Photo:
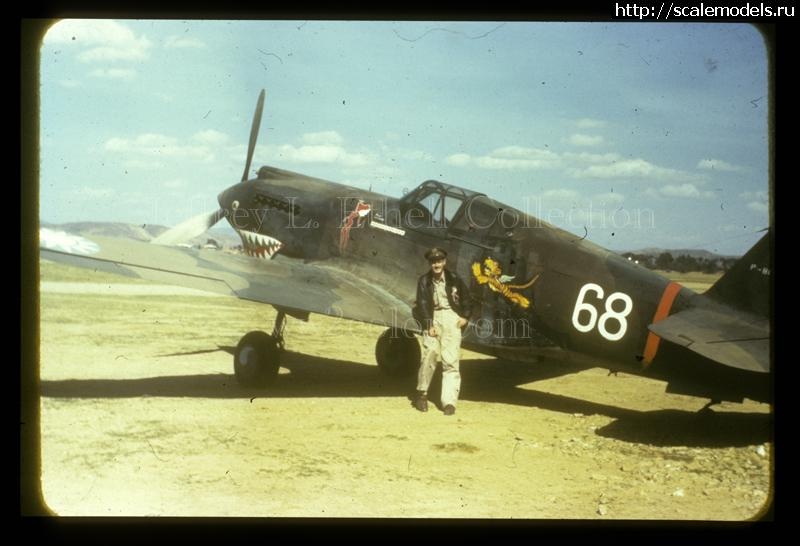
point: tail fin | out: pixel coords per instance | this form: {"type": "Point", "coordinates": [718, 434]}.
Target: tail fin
{"type": "Point", "coordinates": [746, 285]}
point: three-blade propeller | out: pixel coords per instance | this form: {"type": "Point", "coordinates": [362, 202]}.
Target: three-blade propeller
{"type": "Point", "coordinates": [188, 229]}
{"type": "Point", "coordinates": [254, 133]}
{"type": "Point", "coordinates": [197, 225]}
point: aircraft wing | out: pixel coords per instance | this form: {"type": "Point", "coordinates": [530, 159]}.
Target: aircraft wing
{"type": "Point", "coordinates": [282, 282]}
{"type": "Point", "coordinates": [732, 338]}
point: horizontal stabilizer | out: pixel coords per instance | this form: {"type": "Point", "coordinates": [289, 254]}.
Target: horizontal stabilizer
{"type": "Point", "coordinates": [732, 338]}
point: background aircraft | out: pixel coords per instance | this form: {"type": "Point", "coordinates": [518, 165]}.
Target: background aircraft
{"type": "Point", "coordinates": [315, 246]}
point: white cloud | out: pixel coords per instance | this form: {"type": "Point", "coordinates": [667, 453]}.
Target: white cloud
{"type": "Point", "coordinates": [320, 147]}
{"type": "Point", "coordinates": [589, 123]}
{"type": "Point", "coordinates": [112, 54]}
{"type": "Point", "coordinates": [758, 200]}
{"type": "Point", "coordinates": [69, 84]}
{"type": "Point", "coordinates": [144, 140]}
{"type": "Point", "coordinates": [322, 137]}
{"type": "Point", "coordinates": [142, 164]}
{"type": "Point", "coordinates": [175, 183]}
{"type": "Point", "coordinates": [93, 193]}
{"type": "Point", "coordinates": [382, 171]}
{"type": "Point", "coordinates": [522, 152]}
{"type": "Point", "coordinates": [612, 165]}
{"type": "Point", "coordinates": [633, 168]}
{"type": "Point", "coordinates": [183, 42]}
{"type": "Point", "coordinates": [685, 190]}
{"type": "Point", "coordinates": [560, 194]}
{"type": "Point", "coordinates": [329, 147]}
{"type": "Point", "coordinates": [322, 153]}
{"type": "Point", "coordinates": [238, 152]}
{"type": "Point", "coordinates": [579, 139]}
{"type": "Point", "coordinates": [102, 40]}
{"type": "Point", "coordinates": [621, 169]}
{"type": "Point", "coordinates": [586, 157]}
{"type": "Point", "coordinates": [610, 198]}
{"type": "Point", "coordinates": [211, 137]}
{"type": "Point", "coordinates": [417, 155]}
{"type": "Point", "coordinates": [458, 160]}
{"type": "Point", "coordinates": [508, 157]}
{"type": "Point", "coordinates": [578, 165]}
{"type": "Point", "coordinates": [576, 218]}
{"type": "Point", "coordinates": [114, 73]}
{"type": "Point", "coordinates": [651, 192]}
{"type": "Point", "coordinates": [405, 154]}
{"type": "Point", "coordinates": [718, 165]}
{"type": "Point", "coordinates": [151, 145]}
{"type": "Point", "coordinates": [754, 195]}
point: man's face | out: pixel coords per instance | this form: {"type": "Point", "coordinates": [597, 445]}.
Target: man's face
{"type": "Point", "coordinates": [438, 265]}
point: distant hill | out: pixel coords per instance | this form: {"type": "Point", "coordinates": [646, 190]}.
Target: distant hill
{"type": "Point", "coordinates": [140, 232]}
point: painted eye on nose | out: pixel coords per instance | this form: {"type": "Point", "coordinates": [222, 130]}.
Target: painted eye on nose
{"type": "Point", "coordinates": [235, 205]}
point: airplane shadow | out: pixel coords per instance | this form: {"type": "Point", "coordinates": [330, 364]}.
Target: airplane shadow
{"type": "Point", "coordinates": [663, 428]}
{"type": "Point", "coordinates": [488, 380]}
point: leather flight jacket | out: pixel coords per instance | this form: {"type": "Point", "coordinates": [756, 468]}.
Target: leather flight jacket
{"type": "Point", "coordinates": [457, 295]}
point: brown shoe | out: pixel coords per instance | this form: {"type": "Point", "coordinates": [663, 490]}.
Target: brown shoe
{"type": "Point", "coordinates": [421, 402]}
{"type": "Point", "coordinates": [449, 410]}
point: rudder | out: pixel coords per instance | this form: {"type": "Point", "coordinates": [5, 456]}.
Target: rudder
{"type": "Point", "coordinates": [746, 285]}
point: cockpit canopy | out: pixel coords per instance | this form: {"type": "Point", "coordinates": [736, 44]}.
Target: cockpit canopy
{"type": "Point", "coordinates": [437, 204]}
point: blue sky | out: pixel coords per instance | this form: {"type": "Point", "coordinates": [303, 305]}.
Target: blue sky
{"type": "Point", "coordinates": [647, 134]}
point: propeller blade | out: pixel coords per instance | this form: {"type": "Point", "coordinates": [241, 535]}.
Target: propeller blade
{"type": "Point", "coordinates": [194, 226]}
{"type": "Point", "coordinates": [254, 133]}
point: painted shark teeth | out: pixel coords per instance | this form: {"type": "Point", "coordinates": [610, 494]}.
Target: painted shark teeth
{"type": "Point", "coordinates": [259, 245]}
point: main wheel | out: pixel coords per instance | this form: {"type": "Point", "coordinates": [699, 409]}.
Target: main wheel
{"type": "Point", "coordinates": [397, 353]}
{"type": "Point", "coordinates": [257, 359]}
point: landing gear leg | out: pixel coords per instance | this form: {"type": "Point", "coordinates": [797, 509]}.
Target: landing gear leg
{"type": "Point", "coordinates": [257, 359]}
{"type": "Point", "coordinates": [277, 330]}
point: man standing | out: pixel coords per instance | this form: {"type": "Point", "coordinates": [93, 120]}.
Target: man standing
{"type": "Point", "coordinates": [443, 310]}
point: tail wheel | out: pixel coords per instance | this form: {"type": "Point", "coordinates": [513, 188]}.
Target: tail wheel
{"type": "Point", "coordinates": [257, 359]}
{"type": "Point", "coordinates": [397, 353]}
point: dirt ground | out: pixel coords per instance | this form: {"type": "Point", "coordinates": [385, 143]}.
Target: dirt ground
{"type": "Point", "coordinates": [141, 416]}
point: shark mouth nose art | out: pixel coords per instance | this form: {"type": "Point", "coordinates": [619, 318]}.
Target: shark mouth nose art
{"type": "Point", "coordinates": [258, 245]}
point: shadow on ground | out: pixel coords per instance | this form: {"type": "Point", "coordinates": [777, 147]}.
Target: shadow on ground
{"type": "Point", "coordinates": [682, 428]}
{"type": "Point", "coordinates": [486, 380]}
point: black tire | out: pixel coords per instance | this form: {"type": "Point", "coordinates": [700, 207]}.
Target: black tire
{"type": "Point", "coordinates": [397, 353]}
{"type": "Point", "coordinates": [257, 359]}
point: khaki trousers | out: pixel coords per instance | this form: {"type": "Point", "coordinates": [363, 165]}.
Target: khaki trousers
{"type": "Point", "coordinates": [447, 347]}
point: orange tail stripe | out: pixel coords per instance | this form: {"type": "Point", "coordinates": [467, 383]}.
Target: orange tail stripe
{"type": "Point", "coordinates": [664, 306]}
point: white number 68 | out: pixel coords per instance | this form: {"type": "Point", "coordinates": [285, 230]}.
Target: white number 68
{"type": "Point", "coordinates": [602, 320]}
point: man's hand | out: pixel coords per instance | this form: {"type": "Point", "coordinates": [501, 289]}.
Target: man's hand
{"type": "Point", "coordinates": [462, 322]}
{"type": "Point", "coordinates": [432, 331]}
